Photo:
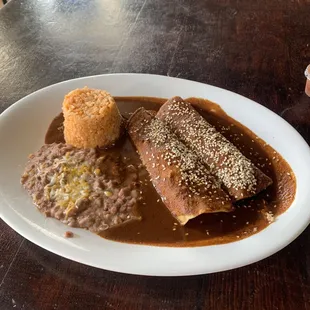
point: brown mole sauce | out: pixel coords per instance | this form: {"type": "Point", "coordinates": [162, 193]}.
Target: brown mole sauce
{"type": "Point", "coordinates": [158, 227]}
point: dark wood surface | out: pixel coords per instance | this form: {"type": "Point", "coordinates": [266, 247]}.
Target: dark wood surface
{"type": "Point", "coordinates": [257, 48]}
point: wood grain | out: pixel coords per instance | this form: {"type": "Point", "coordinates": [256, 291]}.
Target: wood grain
{"type": "Point", "coordinates": [257, 48]}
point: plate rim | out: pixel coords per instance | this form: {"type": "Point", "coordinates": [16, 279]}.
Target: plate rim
{"type": "Point", "coordinates": [233, 266]}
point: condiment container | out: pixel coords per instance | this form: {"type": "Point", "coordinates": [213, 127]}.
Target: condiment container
{"type": "Point", "coordinates": [307, 74]}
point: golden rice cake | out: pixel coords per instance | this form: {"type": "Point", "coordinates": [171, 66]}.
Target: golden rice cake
{"type": "Point", "coordinates": [91, 118]}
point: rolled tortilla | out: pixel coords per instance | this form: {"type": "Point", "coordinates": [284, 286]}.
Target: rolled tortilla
{"type": "Point", "coordinates": [185, 185]}
{"type": "Point", "coordinates": [240, 178]}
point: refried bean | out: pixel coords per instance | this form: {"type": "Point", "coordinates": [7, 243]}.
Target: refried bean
{"type": "Point", "coordinates": [82, 187]}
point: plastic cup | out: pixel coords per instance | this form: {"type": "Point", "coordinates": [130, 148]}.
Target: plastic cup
{"type": "Point", "coordinates": [307, 74]}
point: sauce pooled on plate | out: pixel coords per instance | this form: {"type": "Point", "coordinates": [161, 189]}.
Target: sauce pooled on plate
{"type": "Point", "coordinates": [158, 227]}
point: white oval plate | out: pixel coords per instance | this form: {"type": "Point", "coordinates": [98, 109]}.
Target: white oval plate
{"type": "Point", "coordinates": [22, 130]}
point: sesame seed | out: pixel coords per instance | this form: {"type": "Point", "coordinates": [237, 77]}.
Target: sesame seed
{"type": "Point", "coordinates": [270, 217]}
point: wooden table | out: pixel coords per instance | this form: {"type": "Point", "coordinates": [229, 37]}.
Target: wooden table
{"type": "Point", "coordinates": [257, 48]}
